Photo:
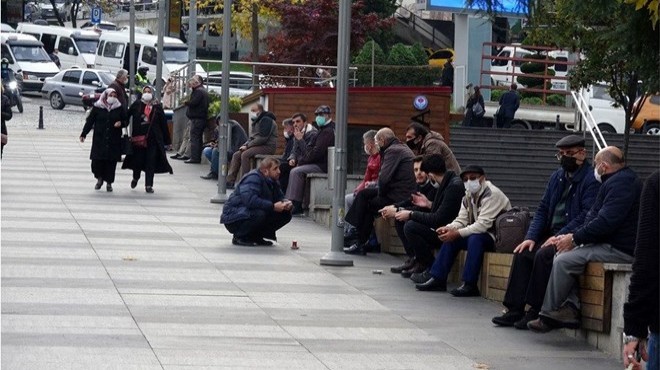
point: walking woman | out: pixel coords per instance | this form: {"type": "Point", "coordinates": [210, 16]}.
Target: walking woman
{"type": "Point", "coordinates": [106, 120]}
{"type": "Point", "coordinates": [474, 109]}
{"type": "Point", "coordinates": [150, 127]}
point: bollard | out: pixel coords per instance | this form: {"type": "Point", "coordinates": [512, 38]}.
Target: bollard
{"type": "Point", "coordinates": [557, 124]}
{"type": "Point", "coordinates": [41, 117]}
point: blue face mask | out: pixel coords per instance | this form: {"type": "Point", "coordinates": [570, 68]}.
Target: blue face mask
{"type": "Point", "coordinates": [320, 120]}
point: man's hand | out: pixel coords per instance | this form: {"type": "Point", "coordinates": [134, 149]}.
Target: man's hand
{"type": "Point", "coordinates": [629, 351]}
{"type": "Point", "coordinates": [403, 216]}
{"type": "Point", "coordinates": [526, 244]}
{"type": "Point", "coordinates": [118, 124]}
{"type": "Point", "coordinates": [242, 148]}
{"type": "Point", "coordinates": [292, 162]}
{"type": "Point", "coordinates": [298, 134]}
{"type": "Point", "coordinates": [82, 139]}
{"type": "Point", "coordinates": [280, 206]}
{"type": "Point", "coordinates": [446, 234]}
{"type": "Point", "coordinates": [387, 212]}
{"type": "Point", "coordinates": [420, 200]}
{"type": "Point", "coordinates": [564, 243]}
{"type": "Point", "coordinates": [550, 242]}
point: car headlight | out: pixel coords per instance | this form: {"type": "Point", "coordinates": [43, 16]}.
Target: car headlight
{"type": "Point", "coordinates": [13, 85]}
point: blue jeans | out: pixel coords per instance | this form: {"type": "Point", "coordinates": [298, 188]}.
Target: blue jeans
{"type": "Point", "coordinates": [654, 352]}
{"type": "Point", "coordinates": [476, 245]}
{"type": "Point", "coordinates": [213, 155]}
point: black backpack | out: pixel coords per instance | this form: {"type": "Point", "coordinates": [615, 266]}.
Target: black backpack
{"type": "Point", "coordinates": [511, 228]}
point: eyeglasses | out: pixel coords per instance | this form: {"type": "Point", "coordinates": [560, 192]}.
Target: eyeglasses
{"type": "Point", "coordinates": [569, 153]}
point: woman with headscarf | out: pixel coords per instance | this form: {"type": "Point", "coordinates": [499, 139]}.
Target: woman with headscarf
{"type": "Point", "coordinates": [105, 119]}
{"type": "Point", "coordinates": [148, 123]}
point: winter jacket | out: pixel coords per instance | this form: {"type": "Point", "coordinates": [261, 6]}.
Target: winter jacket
{"type": "Point", "coordinates": [157, 137]}
{"type": "Point", "coordinates": [238, 136]}
{"type": "Point", "coordinates": [446, 204]}
{"type": "Point", "coordinates": [264, 131]}
{"type": "Point", "coordinates": [581, 196]}
{"type": "Point", "coordinates": [302, 146]}
{"type": "Point", "coordinates": [434, 143]}
{"type": "Point", "coordinates": [510, 102]}
{"type": "Point", "coordinates": [198, 105]}
{"type": "Point", "coordinates": [106, 143]}
{"type": "Point", "coordinates": [317, 150]}
{"type": "Point", "coordinates": [371, 173]}
{"type": "Point", "coordinates": [254, 191]}
{"type": "Point", "coordinates": [613, 217]}
{"type": "Point", "coordinates": [490, 203]}
{"type": "Point", "coordinates": [396, 180]}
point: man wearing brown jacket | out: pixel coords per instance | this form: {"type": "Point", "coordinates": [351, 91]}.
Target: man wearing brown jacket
{"type": "Point", "coordinates": [423, 141]}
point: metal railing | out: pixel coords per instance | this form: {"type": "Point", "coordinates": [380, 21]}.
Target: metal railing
{"type": "Point", "coordinates": [421, 26]}
{"type": "Point", "coordinates": [582, 107]}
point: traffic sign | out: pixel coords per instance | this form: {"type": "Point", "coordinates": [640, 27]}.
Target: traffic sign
{"type": "Point", "coordinates": [97, 12]}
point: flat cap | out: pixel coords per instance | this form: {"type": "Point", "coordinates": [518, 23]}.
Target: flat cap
{"type": "Point", "coordinates": [472, 168]}
{"type": "Point", "coordinates": [322, 109]}
{"type": "Point", "coordinates": [570, 141]}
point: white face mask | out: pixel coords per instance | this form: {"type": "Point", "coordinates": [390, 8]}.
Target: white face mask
{"type": "Point", "coordinates": [473, 186]}
{"type": "Point", "coordinates": [146, 97]}
{"type": "Point", "coordinates": [287, 135]}
{"type": "Point", "coordinates": [111, 100]}
{"type": "Point", "coordinates": [597, 175]}
{"type": "Point", "coordinates": [434, 184]}
{"type": "Point", "coordinates": [253, 116]}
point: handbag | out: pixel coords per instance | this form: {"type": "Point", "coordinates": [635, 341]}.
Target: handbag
{"type": "Point", "coordinates": [478, 110]}
{"type": "Point", "coordinates": [140, 141]}
{"type": "Point", "coordinates": [126, 144]}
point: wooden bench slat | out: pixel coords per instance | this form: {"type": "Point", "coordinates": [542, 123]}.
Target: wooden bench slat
{"type": "Point", "coordinates": [592, 311]}
{"type": "Point", "coordinates": [591, 296]}
{"type": "Point", "coordinates": [592, 282]}
{"type": "Point", "coordinates": [593, 325]}
{"type": "Point", "coordinates": [497, 282]}
{"type": "Point", "coordinates": [594, 269]}
{"type": "Point", "coordinates": [499, 271]}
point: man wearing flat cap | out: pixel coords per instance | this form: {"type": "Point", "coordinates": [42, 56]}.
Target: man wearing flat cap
{"type": "Point", "coordinates": [568, 196]}
{"type": "Point", "coordinates": [472, 230]}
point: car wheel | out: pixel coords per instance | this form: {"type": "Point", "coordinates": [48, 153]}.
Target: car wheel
{"type": "Point", "coordinates": [519, 125]}
{"type": "Point", "coordinates": [652, 129]}
{"type": "Point", "coordinates": [606, 128]}
{"type": "Point", "coordinates": [56, 100]}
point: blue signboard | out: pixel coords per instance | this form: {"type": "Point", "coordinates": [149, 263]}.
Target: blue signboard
{"type": "Point", "coordinates": [96, 14]}
{"type": "Point", "coordinates": [509, 8]}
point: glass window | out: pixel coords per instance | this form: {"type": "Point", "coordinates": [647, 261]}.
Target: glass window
{"type": "Point", "coordinates": [99, 51]}
{"type": "Point", "coordinates": [113, 50]}
{"type": "Point", "coordinates": [66, 46]}
{"type": "Point", "coordinates": [175, 55]}
{"type": "Point", "coordinates": [561, 67]}
{"type": "Point", "coordinates": [87, 45]}
{"type": "Point", "coordinates": [30, 53]}
{"type": "Point", "coordinates": [71, 76]}
{"type": "Point", "coordinates": [601, 92]}
{"type": "Point", "coordinates": [149, 55]}
{"type": "Point", "coordinates": [6, 54]}
{"type": "Point", "coordinates": [49, 42]}
{"type": "Point", "coordinates": [89, 78]}
{"type": "Point", "coordinates": [106, 77]}
{"type": "Point", "coordinates": [500, 62]}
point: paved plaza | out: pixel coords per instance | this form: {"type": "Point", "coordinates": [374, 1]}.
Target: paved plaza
{"type": "Point", "coordinates": [130, 280]}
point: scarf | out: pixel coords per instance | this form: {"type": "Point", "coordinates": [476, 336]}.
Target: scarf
{"type": "Point", "coordinates": [103, 101]}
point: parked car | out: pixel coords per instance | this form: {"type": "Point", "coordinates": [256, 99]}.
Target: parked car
{"type": "Point", "coordinates": [66, 87]}
{"type": "Point", "coordinates": [63, 8]}
{"type": "Point", "coordinates": [240, 83]}
{"type": "Point", "coordinates": [142, 30]}
{"type": "Point", "coordinates": [647, 120]}
{"type": "Point", "coordinates": [103, 26]}
{"type": "Point", "coordinates": [4, 27]}
{"type": "Point", "coordinates": [440, 57]}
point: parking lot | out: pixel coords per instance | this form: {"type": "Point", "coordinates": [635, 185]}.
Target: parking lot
{"type": "Point", "coordinates": [70, 118]}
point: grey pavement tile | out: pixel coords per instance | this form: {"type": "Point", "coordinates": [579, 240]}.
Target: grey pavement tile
{"type": "Point", "coordinates": [151, 255]}
{"type": "Point", "coordinates": [51, 236]}
{"type": "Point", "coordinates": [172, 301]}
{"type": "Point", "coordinates": [48, 308]}
{"type": "Point", "coordinates": [522, 361]}
{"type": "Point", "coordinates": [60, 295]}
{"type": "Point", "coordinates": [340, 360]}
{"type": "Point", "coordinates": [316, 301]}
{"type": "Point", "coordinates": [69, 324]}
{"type": "Point", "coordinates": [294, 358]}
{"type": "Point", "coordinates": [360, 333]}
{"type": "Point", "coordinates": [55, 271]}
{"type": "Point", "coordinates": [224, 343]}
{"type": "Point", "coordinates": [47, 261]}
{"type": "Point", "coordinates": [205, 330]}
{"type": "Point", "coordinates": [240, 315]}
{"type": "Point", "coordinates": [103, 283]}
{"type": "Point", "coordinates": [64, 338]}
{"type": "Point", "coordinates": [60, 356]}
{"type": "Point", "coordinates": [35, 251]}
{"type": "Point", "coordinates": [166, 274]}
{"type": "Point", "coordinates": [283, 277]}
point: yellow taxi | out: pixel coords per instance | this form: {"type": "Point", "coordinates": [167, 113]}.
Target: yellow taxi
{"type": "Point", "coordinates": [647, 120]}
{"type": "Point", "coordinates": [439, 57]}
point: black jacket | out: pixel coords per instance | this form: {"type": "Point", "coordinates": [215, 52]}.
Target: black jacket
{"type": "Point", "coordinates": [317, 150]}
{"type": "Point", "coordinates": [106, 143]}
{"type": "Point", "coordinates": [264, 131]}
{"type": "Point", "coordinates": [613, 217]}
{"type": "Point", "coordinates": [446, 204]}
{"type": "Point", "coordinates": [510, 102]}
{"type": "Point", "coordinates": [158, 137]}
{"type": "Point", "coordinates": [198, 105]}
{"type": "Point", "coordinates": [396, 180]}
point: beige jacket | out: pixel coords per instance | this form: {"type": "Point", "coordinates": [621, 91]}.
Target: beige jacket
{"type": "Point", "coordinates": [490, 203]}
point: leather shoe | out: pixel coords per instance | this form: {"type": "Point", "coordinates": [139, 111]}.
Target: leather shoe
{"type": "Point", "coordinates": [133, 183]}
{"type": "Point", "coordinates": [98, 185]}
{"type": "Point", "coordinates": [355, 249]}
{"type": "Point", "coordinates": [192, 161]}
{"type": "Point", "coordinates": [530, 315]}
{"type": "Point", "coordinates": [509, 318]}
{"type": "Point", "coordinates": [565, 317]}
{"type": "Point", "coordinates": [183, 158]}
{"type": "Point", "coordinates": [404, 266]}
{"type": "Point", "coordinates": [263, 242]}
{"type": "Point", "coordinates": [433, 284]}
{"type": "Point", "coordinates": [176, 156]}
{"type": "Point", "coordinates": [108, 187]}
{"type": "Point", "coordinates": [243, 242]}
{"type": "Point", "coordinates": [210, 176]}
{"type": "Point", "coordinates": [421, 277]}
{"type": "Point", "coordinates": [539, 326]}
{"type": "Point", "coordinates": [149, 189]}
{"type": "Point", "coordinates": [415, 269]}
{"type": "Point", "coordinates": [466, 290]}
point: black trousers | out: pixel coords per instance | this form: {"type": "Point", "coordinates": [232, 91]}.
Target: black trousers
{"type": "Point", "coordinates": [363, 212]}
{"type": "Point", "coordinates": [145, 160]}
{"type": "Point", "coordinates": [197, 127]}
{"type": "Point", "coordinates": [285, 170]}
{"type": "Point", "coordinates": [421, 240]}
{"type": "Point", "coordinates": [529, 278]}
{"type": "Point", "coordinates": [104, 170]}
{"type": "Point", "coordinates": [261, 224]}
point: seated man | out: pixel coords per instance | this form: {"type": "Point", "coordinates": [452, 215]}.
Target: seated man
{"type": "Point", "coordinates": [256, 209]}
{"type": "Point", "coordinates": [416, 227]}
{"type": "Point", "coordinates": [238, 137]}
{"type": "Point", "coordinates": [315, 158]}
{"type": "Point", "coordinates": [396, 183]}
{"type": "Point", "coordinates": [422, 141]}
{"type": "Point", "coordinates": [370, 179]}
{"type": "Point", "coordinates": [568, 196]}
{"type": "Point", "coordinates": [607, 235]}
{"type": "Point", "coordinates": [473, 230]}
{"type": "Point", "coordinates": [302, 137]}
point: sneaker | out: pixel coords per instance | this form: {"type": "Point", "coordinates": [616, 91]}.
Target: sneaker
{"type": "Point", "coordinates": [539, 326]}
{"type": "Point", "coordinates": [530, 315]}
{"type": "Point", "coordinates": [421, 277]}
{"type": "Point", "coordinates": [565, 317]}
{"type": "Point", "coordinates": [509, 318]}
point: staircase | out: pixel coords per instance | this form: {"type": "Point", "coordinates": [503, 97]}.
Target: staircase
{"type": "Point", "coordinates": [413, 29]}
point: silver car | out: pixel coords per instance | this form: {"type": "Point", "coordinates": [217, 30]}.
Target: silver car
{"type": "Point", "coordinates": [68, 86]}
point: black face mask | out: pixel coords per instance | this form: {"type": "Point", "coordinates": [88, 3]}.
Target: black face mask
{"type": "Point", "coordinates": [569, 164]}
{"type": "Point", "coordinates": [411, 144]}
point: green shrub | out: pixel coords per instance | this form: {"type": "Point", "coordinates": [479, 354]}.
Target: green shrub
{"type": "Point", "coordinates": [364, 55]}
{"type": "Point", "coordinates": [421, 58]}
{"type": "Point", "coordinates": [401, 55]}
{"type": "Point", "coordinates": [532, 101]}
{"type": "Point", "coordinates": [556, 100]}
{"type": "Point", "coordinates": [496, 94]}
{"type": "Point", "coordinates": [215, 104]}
{"type": "Point", "coordinates": [398, 75]}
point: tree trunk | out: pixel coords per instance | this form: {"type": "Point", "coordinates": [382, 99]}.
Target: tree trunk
{"type": "Point", "coordinates": [57, 13]}
{"type": "Point", "coordinates": [255, 45]}
{"type": "Point", "coordinates": [631, 93]}
{"type": "Point", "coordinates": [75, 7]}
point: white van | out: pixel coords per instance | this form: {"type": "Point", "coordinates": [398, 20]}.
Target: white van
{"type": "Point", "coordinates": [509, 66]}
{"type": "Point", "coordinates": [113, 53]}
{"type": "Point", "coordinates": [607, 117]}
{"type": "Point", "coordinates": [26, 55]}
{"type": "Point", "coordinates": [76, 48]}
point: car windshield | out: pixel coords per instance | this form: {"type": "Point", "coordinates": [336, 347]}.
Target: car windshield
{"type": "Point", "coordinates": [106, 77]}
{"type": "Point", "coordinates": [175, 55]}
{"type": "Point", "coordinates": [87, 45]}
{"type": "Point", "coordinates": [24, 53]}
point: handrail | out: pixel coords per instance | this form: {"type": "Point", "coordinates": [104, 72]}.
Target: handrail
{"type": "Point", "coordinates": [583, 107]}
{"type": "Point", "coordinates": [422, 26]}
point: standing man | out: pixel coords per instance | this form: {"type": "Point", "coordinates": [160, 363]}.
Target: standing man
{"type": "Point", "coordinates": [197, 113]}
{"type": "Point", "coordinates": [568, 196]}
{"type": "Point", "coordinates": [448, 74]}
{"type": "Point", "coordinates": [640, 313]}
{"type": "Point", "coordinates": [607, 235]}
{"type": "Point", "coordinates": [119, 85]}
{"type": "Point", "coordinates": [256, 209]}
{"type": "Point", "coordinates": [509, 103]}
{"type": "Point", "coordinates": [315, 158]}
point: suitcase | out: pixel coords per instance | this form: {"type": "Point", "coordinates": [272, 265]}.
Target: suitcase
{"type": "Point", "coordinates": [511, 228]}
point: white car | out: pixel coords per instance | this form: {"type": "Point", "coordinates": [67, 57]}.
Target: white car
{"type": "Point", "coordinates": [240, 83]}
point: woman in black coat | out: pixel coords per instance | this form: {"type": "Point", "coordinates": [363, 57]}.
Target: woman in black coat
{"type": "Point", "coordinates": [148, 118]}
{"type": "Point", "coordinates": [471, 118]}
{"type": "Point", "coordinates": [106, 120]}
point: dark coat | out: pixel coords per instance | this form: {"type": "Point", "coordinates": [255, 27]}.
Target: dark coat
{"type": "Point", "coordinates": [613, 217]}
{"type": "Point", "coordinates": [254, 191]}
{"type": "Point", "coordinates": [106, 143]}
{"type": "Point", "coordinates": [446, 204]}
{"type": "Point", "coordinates": [396, 180]}
{"type": "Point", "coordinates": [317, 149]}
{"type": "Point", "coordinates": [238, 136]}
{"type": "Point", "coordinates": [510, 102]}
{"type": "Point", "coordinates": [581, 196]}
{"type": "Point", "coordinates": [264, 131]}
{"type": "Point", "coordinates": [198, 105]}
{"type": "Point", "coordinates": [157, 137]}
